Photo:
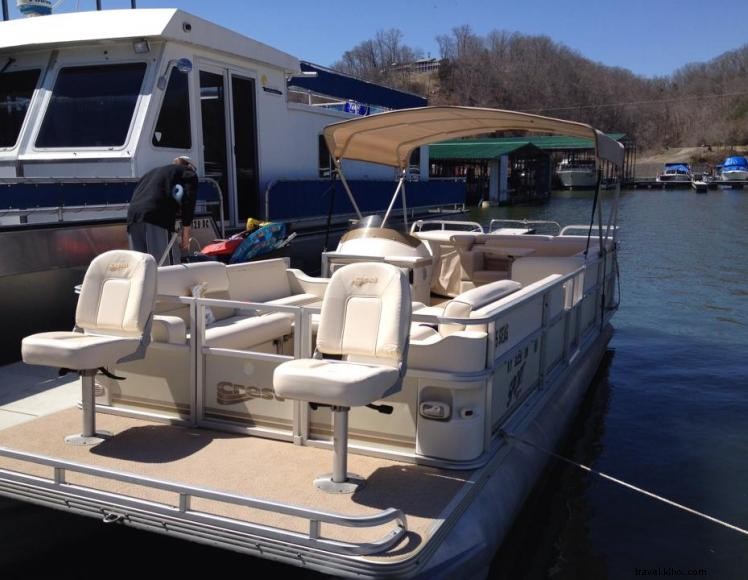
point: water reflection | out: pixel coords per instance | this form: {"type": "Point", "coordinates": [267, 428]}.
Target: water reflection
{"type": "Point", "coordinates": [671, 407]}
{"type": "Point", "coordinates": [550, 537]}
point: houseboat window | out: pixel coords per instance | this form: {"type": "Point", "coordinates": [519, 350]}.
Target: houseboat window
{"type": "Point", "coordinates": [92, 106]}
{"type": "Point", "coordinates": [16, 89]}
{"type": "Point", "coordinates": [173, 127]}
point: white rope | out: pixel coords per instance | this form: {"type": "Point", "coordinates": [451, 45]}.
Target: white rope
{"type": "Point", "coordinates": [628, 485]}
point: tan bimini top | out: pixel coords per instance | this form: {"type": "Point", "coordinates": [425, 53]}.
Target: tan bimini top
{"type": "Point", "coordinates": [389, 138]}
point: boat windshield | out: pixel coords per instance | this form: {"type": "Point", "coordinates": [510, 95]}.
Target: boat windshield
{"type": "Point", "coordinates": [92, 106]}
{"type": "Point", "coordinates": [16, 89]}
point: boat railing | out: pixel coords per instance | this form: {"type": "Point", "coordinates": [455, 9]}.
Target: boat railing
{"type": "Point", "coordinates": [467, 226]}
{"type": "Point", "coordinates": [31, 206]}
{"type": "Point", "coordinates": [584, 228]}
{"type": "Point", "coordinates": [494, 224]}
{"type": "Point", "coordinates": [119, 506]}
{"type": "Point", "coordinates": [575, 297]}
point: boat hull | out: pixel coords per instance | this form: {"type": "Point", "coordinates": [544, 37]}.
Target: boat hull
{"type": "Point", "coordinates": [736, 175]}
{"type": "Point", "coordinates": [680, 178]}
{"type": "Point", "coordinates": [470, 545]}
{"type": "Point", "coordinates": [578, 179]}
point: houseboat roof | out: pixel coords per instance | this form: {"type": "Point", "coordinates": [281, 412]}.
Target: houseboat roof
{"type": "Point", "coordinates": [389, 138]}
{"type": "Point", "coordinates": [111, 25]}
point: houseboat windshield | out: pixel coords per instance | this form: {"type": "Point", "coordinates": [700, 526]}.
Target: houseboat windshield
{"type": "Point", "coordinates": [92, 106]}
{"type": "Point", "coordinates": [16, 89]}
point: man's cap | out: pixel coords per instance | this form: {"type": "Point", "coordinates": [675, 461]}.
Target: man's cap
{"type": "Point", "coordinates": [185, 159]}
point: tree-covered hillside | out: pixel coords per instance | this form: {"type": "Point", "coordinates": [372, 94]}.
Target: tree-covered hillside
{"type": "Point", "coordinates": [701, 103]}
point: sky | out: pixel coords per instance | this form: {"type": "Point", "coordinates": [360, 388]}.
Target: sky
{"type": "Point", "coordinates": [648, 37]}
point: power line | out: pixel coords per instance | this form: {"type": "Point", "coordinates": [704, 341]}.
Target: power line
{"type": "Point", "coordinates": [634, 103]}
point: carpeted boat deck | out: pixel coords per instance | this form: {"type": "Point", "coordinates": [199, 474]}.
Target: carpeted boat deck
{"type": "Point", "coordinates": [249, 466]}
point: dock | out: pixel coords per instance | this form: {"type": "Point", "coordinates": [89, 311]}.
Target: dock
{"type": "Point", "coordinates": [652, 183]}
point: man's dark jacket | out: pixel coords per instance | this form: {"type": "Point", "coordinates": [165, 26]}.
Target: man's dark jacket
{"type": "Point", "coordinates": [154, 201]}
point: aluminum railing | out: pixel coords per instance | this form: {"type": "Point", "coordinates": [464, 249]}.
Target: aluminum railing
{"type": "Point", "coordinates": [115, 506]}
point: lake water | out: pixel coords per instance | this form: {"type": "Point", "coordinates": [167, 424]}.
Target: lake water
{"type": "Point", "coordinates": [668, 412]}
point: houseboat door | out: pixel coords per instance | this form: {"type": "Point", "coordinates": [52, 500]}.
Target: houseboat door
{"type": "Point", "coordinates": [229, 136]}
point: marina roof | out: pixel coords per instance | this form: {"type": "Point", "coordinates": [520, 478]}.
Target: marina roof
{"type": "Point", "coordinates": [389, 138]}
{"type": "Point", "coordinates": [109, 25]}
{"type": "Point", "coordinates": [478, 150]}
{"type": "Point", "coordinates": [449, 149]}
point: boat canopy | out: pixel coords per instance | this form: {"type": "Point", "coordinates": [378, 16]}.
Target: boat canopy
{"type": "Point", "coordinates": [738, 161]}
{"type": "Point", "coordinates": [677, 168]}
{"type": "Point", "coordinates": [390, 138]}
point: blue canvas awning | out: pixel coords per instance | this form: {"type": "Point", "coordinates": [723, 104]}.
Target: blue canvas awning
{"type": "Point", "coordinates": [334, 84]}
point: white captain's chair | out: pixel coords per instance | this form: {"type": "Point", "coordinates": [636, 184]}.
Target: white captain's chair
{"type": "Point", "coordinates": [112, 325]}
{"type": "Point", "coordinates": [364, 326]}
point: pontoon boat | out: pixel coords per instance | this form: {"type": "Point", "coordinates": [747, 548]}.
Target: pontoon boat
{"type": "Point", "coordinates": [424, 370]}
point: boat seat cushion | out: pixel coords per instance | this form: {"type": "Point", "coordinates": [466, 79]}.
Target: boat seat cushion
{"type": "Point", "coordinates": [533, 268]}
{"type": "Point", "coordinates": [75, 350]}
{"type": "Point", "coordinates": [332, 382]}
{"type": "Point", "coordinates": [462, 351]}
{"type": "Point", "coordinates": [463, 305]}
{"type": "Point", "coordinates": [259, 281]}
{"type": "Point", "coordinates": [239, 332]}
{"type": "Point", "coordinates": [182, 279]}
{"type": "Point", "coordinates": [169, 329]}
{"type": "Point", "coordinates": [297, 300]}
{"type": "Point", "coordinates": [117, 294]}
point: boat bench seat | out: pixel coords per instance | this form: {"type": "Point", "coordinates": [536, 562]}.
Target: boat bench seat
{"type": "Point", "coordinates": [453, 347]}
{"type": "Point", "coordinates": [230, 328]}
{"type": "Point", "coordinates": [533, 268]}
{"type": "Point", "coordinates": [273, 282]}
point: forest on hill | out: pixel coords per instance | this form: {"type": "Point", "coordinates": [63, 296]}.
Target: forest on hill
{"type": "Point", "coordinates": [699, 104]}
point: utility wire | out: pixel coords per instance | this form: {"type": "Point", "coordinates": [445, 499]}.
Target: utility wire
{"type": "Point", "coordinates": [634, 103]}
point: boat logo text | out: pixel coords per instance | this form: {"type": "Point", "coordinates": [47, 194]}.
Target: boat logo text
{"type": "Point", "coordinates": [231, 393]}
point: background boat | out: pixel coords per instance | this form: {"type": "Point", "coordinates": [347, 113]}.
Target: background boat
{"type": "Point", "coordinates": [675, 172]}
{"type": "Point", "coordinates": [734, 169]}
{"type": "Point", "coordinates": [577, 174]}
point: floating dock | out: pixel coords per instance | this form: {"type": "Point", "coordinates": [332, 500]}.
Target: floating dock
{"type": "Point", "coordinates": [652, 183]}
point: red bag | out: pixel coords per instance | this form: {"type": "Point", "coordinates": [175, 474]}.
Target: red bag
{"type": "Point", "coordinates": [222, 247]}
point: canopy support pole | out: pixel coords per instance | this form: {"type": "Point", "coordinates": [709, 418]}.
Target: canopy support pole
{"type": "Point", "coordinates": [394, 197]}
{"type": "Point", "coordinates": [405, 206]}
{"type": "Point", "coordinates": [339, 167]}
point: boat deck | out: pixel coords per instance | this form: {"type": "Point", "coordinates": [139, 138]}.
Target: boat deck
{"type": "Point", "coordinates": [237, 464]}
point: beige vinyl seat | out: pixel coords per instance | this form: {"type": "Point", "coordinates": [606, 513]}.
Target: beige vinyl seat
{"type": "Point", "coordinates": [112, 325]}
{"type": "Point", "coordinates": [364, 324]}
{"type": "Point", "coordinates": [454, 347]}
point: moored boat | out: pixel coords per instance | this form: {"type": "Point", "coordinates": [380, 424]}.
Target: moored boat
{"type": "Point", "coordinates": [577, 174]}
{"type": "Point", "coordinates": [734, 168]}
{"type": "Point", "coordinates": [675, 172]}
{"type": "Point", "coordinates": [213, 442]}
{"type": "Point", "coordinates": [699, 183]}
{"type": "Point", "coordinates": [79, 124]}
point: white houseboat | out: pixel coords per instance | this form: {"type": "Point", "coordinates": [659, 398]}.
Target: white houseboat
{"type": "Point", "coordinates": [431, 364]}
{"type": "Point", "coordinates": [90, 101]}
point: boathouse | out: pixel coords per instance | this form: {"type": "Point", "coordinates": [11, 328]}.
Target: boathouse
{"type": "Point", "coordinates": [505, 170]}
